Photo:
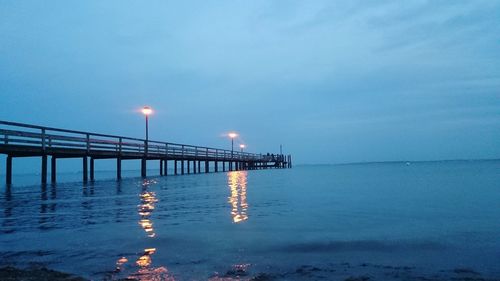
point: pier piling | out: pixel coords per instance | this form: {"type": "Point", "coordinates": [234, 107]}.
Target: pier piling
{"type": "Point", "coordinates": [53, 169]}
{"type": "Point", "coordinates": [8, 170]}
{"type": "Point", "coordinates": [44, 169]}
{"type": "Point", "coordinates": [118, 168]}
{"type": "Point", "coordinates": [143, 167]}
{"type": "Point", "coordinates": [92, 169]}
{"type": "Point", "coordinates": [85, 169]}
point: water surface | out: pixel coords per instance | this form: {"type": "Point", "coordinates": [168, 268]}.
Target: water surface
{"type": "Point", "coordinates": [306, 223]}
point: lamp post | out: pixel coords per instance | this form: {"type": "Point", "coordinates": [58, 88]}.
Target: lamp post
{"type": "Point", "coordinates": [242, 146]}
{"type": "Point", "coordinates": [232, 136]}
{"type": "Point", "coordinates": [146, 111]}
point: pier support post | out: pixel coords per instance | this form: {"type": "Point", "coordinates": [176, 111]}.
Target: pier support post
{"type": "Point", "coordinates": [230, 165]}
{"type": "Point", "coordinates": [165, 167]}
{"type": "Point", "coordinates": [161, 167]}
{"type": "Point", "coordinates": [223, 166]}
{"type": "Point", "coordinates": [189, 167]}
{"type": "Point", "coordinates": [118, 168]}
{"type": "Point", "coordinates": [194, 166]}
{"type": "Point", "coordinates": [182, 167]}
{"type": "Point", "coordinates": [175, 167]}
{"type": "Point", "coordinates": [216, 166]}
{"type": "Point", "coordinates": [143, 167]}
{"type": "Point", "coordinates": [199, 166]}
{"type": "Point", "coordinates": [207, 167]}
{"type": "Point", "coordinates": [85, 169]}
{"type": "Point", "coordinates": [44, 169]}
{"type": "Point", "coordinates": [53, 169]}
{"type": "Point", "coordinates": [8, 170]}
{"type": "Point", "coordinates": [92, 169]}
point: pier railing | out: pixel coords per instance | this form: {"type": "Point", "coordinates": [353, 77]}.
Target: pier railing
{"type": "Point", "coordinates": [46, 138]}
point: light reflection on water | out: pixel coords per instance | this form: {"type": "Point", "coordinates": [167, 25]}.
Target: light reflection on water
{"type": "Point", "coordinates": [145, 271]}
{"type": "Point", "coordinates": [237, 182]}
{"type": "Point", "coordinates": [147, 206]}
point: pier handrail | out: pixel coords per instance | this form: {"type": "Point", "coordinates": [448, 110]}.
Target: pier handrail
{"type": "Point", "coordinates": [106, 142]}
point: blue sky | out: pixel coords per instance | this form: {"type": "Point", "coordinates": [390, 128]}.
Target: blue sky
{"type": "Point", "coordinates": [333, 81]}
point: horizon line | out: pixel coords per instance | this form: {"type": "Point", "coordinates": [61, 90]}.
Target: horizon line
{"type": "Point", "coordinates": [398, 161]}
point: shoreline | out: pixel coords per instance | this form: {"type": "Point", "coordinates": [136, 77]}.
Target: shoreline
{"type": "Point", "coordinates": [341, 271]}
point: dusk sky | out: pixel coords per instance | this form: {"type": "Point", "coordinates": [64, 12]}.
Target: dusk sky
{"type": "Point", "coordinates": [332, 81]}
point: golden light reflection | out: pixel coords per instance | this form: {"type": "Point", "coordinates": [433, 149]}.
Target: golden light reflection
{"type": "Point", "coordinates": [148, 273]}
{"type": "Point", "coordinates": [148, 199]}
{"type": "Point", "coordinates": [145, 271]}
{"type": "Point", "coordinates": [120, 262]}
{"type": "Point", "coordinates": [145, 259]}
{"type": "Point", "coordinates": [152, 274]}
{"type": "Point", "coordinates": [237, 182]}
{"type": "Point", "coordinates": [239, 273]}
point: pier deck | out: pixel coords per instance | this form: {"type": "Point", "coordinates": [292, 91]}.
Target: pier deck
{"type": "Point", "coordinates": [25, 140]}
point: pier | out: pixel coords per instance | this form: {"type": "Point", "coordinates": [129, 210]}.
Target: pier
{"type": "Point", "coordinates": [25, 140]}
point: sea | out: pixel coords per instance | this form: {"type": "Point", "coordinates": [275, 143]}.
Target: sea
{"type": "Point", "coordinates": [368, 221]}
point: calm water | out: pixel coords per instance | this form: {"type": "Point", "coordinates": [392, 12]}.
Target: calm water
{"type": "Point", "coordinates": [302, 223]}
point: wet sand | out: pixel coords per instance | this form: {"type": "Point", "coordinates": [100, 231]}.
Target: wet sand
{"type": "Point", "coordinates": [341, 272]}
{"type": "Point", "coordinates": [32, 274]}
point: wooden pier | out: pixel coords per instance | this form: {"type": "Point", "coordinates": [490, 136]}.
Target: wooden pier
{"type": "Point", "coordinates": [25, 140]}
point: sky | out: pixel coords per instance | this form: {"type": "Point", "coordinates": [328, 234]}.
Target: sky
{"type": "Point", "coordinates": [333, 81]}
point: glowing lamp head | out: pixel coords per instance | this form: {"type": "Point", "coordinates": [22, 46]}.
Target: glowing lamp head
{"type": "Point", "coordinates": [147, 110]}
{"type": "Point", "coordinates": [232, 135]}
{"type": "Point", "coordinates": [242, 146]}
